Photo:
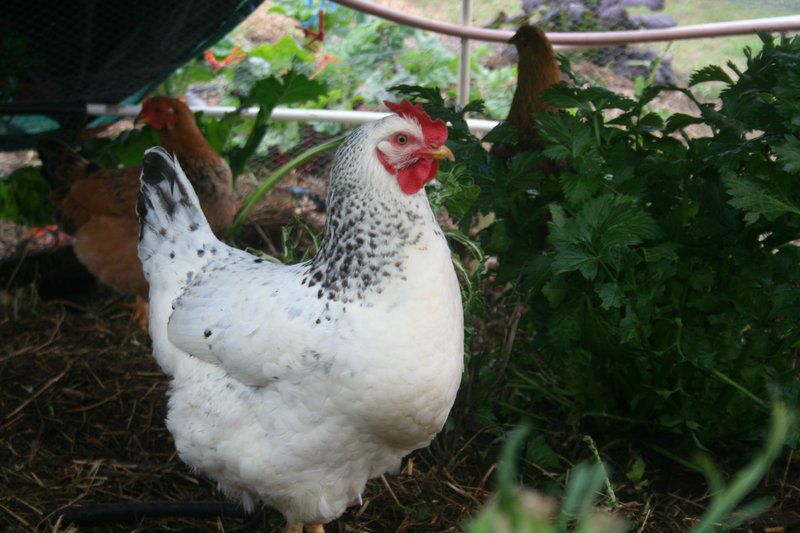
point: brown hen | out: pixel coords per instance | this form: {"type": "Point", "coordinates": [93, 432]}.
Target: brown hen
{"type": "Point", "coordinates": [98, 206]}
{"type": "Point", "coordinates": [537, 70]}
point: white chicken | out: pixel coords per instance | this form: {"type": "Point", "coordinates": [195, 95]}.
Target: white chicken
{"type": "Point", "coordinates": [294, 385]}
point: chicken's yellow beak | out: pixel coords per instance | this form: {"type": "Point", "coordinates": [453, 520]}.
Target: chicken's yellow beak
{"type": "Point", "coordinates": [443, 152]}
{"type": "Point", "coordinates": [145, 114]}
{"type": "Point", "coordinates": [141, 120]}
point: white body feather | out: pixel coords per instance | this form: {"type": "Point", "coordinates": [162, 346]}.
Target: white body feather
{"type": "Point", "coordinates": [280, 393]}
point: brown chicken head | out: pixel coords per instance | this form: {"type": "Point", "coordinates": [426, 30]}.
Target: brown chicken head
{"type": "Point", "coordinates": [161, 112]}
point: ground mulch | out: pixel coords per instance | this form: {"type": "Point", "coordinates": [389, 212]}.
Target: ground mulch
{"type": "Point", "coordinates": [82, 406]}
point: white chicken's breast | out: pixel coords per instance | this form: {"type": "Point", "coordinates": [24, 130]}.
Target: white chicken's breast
{"type": "Point", "coordinates": [296, 384]}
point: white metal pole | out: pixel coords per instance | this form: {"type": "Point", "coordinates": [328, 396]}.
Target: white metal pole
{"type": "Point", "coordinates": [463, 63]}
{"type": "Point", "coordinates": [280, 113]}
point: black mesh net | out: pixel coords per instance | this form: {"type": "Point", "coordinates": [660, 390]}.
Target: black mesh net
{"type": "Point", "coordinates": [56, 55]}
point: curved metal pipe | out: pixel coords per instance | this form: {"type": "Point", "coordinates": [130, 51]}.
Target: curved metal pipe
{"type": "Point", "coordinates": [594, 38]}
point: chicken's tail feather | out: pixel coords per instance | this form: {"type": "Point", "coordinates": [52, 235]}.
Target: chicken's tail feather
{"type": "Point", "coordinates": [174, 232]}
{"type": "Point", "coordinates": [61, 165]}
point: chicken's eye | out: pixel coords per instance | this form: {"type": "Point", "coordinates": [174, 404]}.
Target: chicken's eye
{"type": "Point", "coordinates": [401, 139]}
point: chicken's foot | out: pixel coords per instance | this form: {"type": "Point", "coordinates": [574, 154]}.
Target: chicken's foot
{"type": "Point", "coordinates": [297, 527]}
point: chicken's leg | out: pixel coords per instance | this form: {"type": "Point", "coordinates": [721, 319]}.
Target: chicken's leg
{"type": "Point", "coordinates": [315, 528]}
{"type": "Point", "coordinates": [140, 312]}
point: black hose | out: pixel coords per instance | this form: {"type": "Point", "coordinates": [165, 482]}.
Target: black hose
{"type": "Point", "coordinates": [135, 511]}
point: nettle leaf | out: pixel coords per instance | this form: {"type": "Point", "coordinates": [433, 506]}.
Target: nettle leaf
{"type": "Point", "coordinates": [557, 216]}
{"type": "Point", "coordinates": [455, 191]}
{"type": "Point", "coordinates": [566, 322]}
{"type": "Point", "coordinates": [431, 95]}
{"type": "Point", "coordinates": [434, 105]}
{"type": "Point", "coordinates": [571, 257]}
{"type": "Point", "coordinates": [499, 240]}
{"type": "Point", "coordinates": [709, 73]}
{"type": "Point", "coordinates": [610, 294]}
{"type": "Point", "coordinates": [536, 273]}
{"type": "Point", "coordinates": [566, 97]}
{"type": "Point", "coordinates": [540, 453]}
{"type": "Point", "coordinates": [603, 98]}
{"type": "Point", "coordinates": [570, 133]}
{"type": "Point", "coordinates": [648, 94]}
{"type": "Point", "coordinates": [757, 199]}
{"type": "Point", "coordinates": [503, 133]}
{"type": "Point", "coordinates": [661, 252]}
{"type": "Point", "coordinates": [617, 221]}
{"type": "Point", "coordinates": [678, 121]}
{"type": "Point", "coordinates": [650, 121]}
{"type": "Point", "coordinates": [589, 99]}
{"type": "Point", "coordinates": [523, 163]}
{"type": "Point", "coordinates": [578, 187]}
{"type": "Point", "coordinates": [282, 54]}
{"type": "Point", "coordinates": [300, 89]}
{"type": "Point", "coordinates": [599, 233]}
{"type": "Point", "coordinates": [788, 154]}
{"type": "Point", "coordinates": [557, 152]}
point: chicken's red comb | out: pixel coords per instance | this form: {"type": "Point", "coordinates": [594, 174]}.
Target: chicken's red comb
{"type": "Point", "coordinates": [435, 131]}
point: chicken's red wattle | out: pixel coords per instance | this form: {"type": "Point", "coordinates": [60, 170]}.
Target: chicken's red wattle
{"type": "Point", "coordinates": [413, 177]}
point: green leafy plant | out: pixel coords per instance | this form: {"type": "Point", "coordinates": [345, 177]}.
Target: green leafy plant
{"type": "Point", "coordinates": [267, 94]}
{"type": "Point", "coordinates": [722, 512]}
{"type": "Point", "coordinates": [24, 198]}
{"type": "Point", "coordinates": [659, 271]}
{"type": "Point", "coordinates": [515, 508]}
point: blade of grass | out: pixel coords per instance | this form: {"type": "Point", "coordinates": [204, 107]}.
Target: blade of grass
{"type": "Point", "coordinates": [273, 179]}
{"type": "Point", "coordinates": [724, 502]}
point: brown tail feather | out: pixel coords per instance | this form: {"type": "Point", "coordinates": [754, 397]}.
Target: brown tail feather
{"type": "Point", "coordinates": [61, 165]}
{"type": "Point", "coordinates": [61, 168]}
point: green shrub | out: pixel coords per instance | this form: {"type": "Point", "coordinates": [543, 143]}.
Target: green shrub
{"type": "Point", "coordinates": [660, 274]}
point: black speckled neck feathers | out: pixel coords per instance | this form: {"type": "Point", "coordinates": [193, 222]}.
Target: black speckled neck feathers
{"type": "Point", "coordinates": [369, 229]}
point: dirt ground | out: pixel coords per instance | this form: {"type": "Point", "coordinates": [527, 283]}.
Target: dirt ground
{"type": "Point", "coordinates": [82, 408]}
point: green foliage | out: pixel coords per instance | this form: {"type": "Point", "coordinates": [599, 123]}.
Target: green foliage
{"type": "Point", "coordinates": [125, 149]}
{"type": "Point", "coordinates": [661, 275]}
{"type": "Point", "coordinates": [377, 54]}
{"type": "Point", "coordinates": [273, 179]}
{"type": "Point", "coordinates": [722, 510]}
{"type": "Point", "coordinates": [270, 75]}
{"type": "Point", "coordinates": [518, 509]}
{"type": "Point", "coordinates": [267, 94]}
{"type": "Point", "coordinates": [24, 198]}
